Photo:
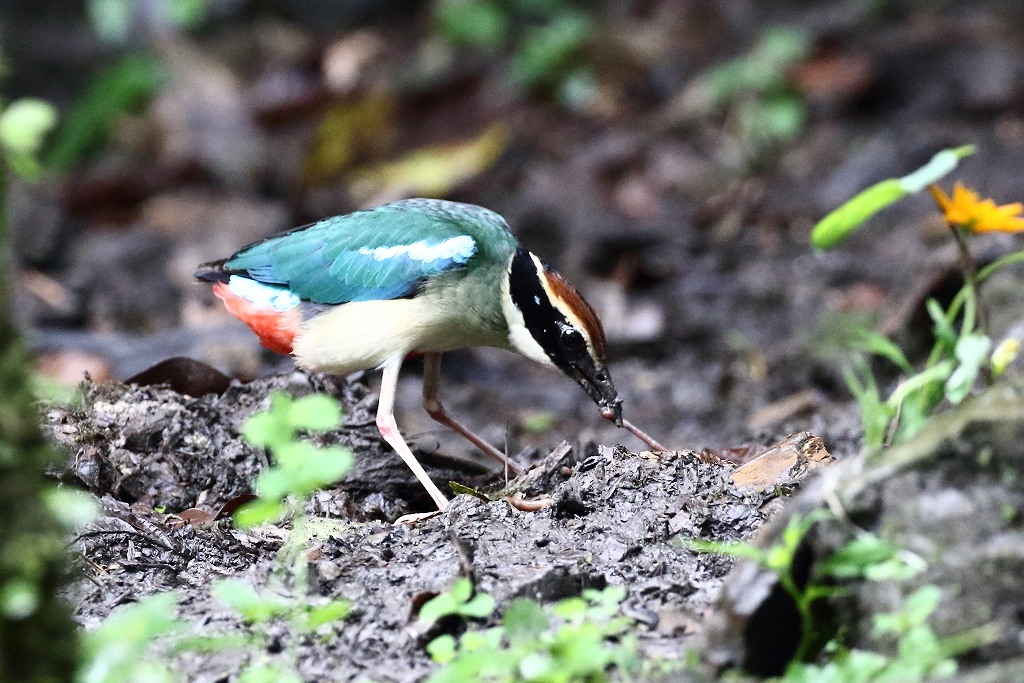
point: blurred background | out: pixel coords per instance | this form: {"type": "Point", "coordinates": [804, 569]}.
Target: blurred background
{"type": "Point", "coordinates": [669, 157]}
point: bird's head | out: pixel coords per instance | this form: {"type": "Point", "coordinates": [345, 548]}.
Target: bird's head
{"type": "Point", "coordinates": [551, 323]}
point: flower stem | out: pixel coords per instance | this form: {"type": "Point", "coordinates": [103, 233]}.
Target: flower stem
{"type": "Point", "coordinates": [970, 277]}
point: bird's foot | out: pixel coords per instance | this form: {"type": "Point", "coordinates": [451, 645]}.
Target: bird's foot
{"type": "Point", "coordinates": [416, 517]}
{"type": "Point", "coordinates": [520, 503]}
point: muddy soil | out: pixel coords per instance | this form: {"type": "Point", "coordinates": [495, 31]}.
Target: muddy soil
{"type": "Point", "coordinates": [616, 517]}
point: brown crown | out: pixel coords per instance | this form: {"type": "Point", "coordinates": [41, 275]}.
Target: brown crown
{"type": "Point", "coordinates": [579, 306]}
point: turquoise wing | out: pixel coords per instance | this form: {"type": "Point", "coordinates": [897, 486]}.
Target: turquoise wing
{"type": "Point", "coordinates": [383, 253]}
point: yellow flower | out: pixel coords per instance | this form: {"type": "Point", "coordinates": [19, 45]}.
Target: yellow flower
{"type": "Point", "coordinates": [966, 209]}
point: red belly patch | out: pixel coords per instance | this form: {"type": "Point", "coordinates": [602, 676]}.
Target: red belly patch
{"type": "Point", "coordinates": [276, 329]}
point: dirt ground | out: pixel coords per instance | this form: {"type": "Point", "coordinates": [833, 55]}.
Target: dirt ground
{"type": "Point", "coordinates": [721, 319]}
{"type": "Point", "coordinates": [616, 518]}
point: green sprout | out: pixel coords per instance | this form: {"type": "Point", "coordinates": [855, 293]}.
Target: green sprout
{"type": "Point", "coordinates": [546, 38]}
{"type": "Point", "coordinates": [578, 639]}
{"type": "Point", "coordinates": [299, 468]}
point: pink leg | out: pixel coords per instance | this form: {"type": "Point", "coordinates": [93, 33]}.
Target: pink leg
{"type": "Point", "coordinates": [432, 402]}
{"type": "Point", "coordinates": [389, 430]}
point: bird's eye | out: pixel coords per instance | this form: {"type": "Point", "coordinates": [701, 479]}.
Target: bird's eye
{"type": "Point", "coordinates": [571, 340]}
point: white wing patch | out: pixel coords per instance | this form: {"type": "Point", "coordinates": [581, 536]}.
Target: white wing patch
{"type": "Point", "coordinates": [264, 296]}
{"type": "Point", "coordinates": [459, 248]}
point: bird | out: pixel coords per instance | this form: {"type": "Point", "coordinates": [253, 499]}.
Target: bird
{"type": "Point", "coordinates": [368, 289]}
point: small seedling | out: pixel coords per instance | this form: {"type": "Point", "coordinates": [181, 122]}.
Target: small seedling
{"type": "Point", "coordinates": [459, 601]}
{"type": "Point", "coordinates": [754, 93]}
{"type": "Point", "coordinates": [299, 468]}
{"type": "Point", "coordinates": [919, 654]}
{"type": "Point", "coordinates": [577, 639]}
{"type": "Point", "coordinates": [866, 556]}
{"type": "Point", "coordinates": [121, 648]}
{"type": "Point", "coordinates": [546, 40]}
{"type": "Point", "coordinates": [118, 650]}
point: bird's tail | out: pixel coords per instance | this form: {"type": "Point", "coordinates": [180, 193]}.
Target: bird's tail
{"type": "Point", "coordinates": [213, 272]}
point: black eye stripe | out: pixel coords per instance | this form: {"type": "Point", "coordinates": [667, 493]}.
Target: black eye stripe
{"type": "Point", "coordinates": [544, 321]}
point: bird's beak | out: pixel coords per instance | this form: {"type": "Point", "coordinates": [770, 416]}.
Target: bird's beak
{"type": "Point", "coordinates": [598, 385]}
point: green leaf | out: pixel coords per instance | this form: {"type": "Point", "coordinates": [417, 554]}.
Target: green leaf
{"type": "Point", "coordinates": [782, 45]}
{"type": "Point", "coordinates": [259, 511]}
{"type": "Point", "coordinates": [872, 342]}
{"type": "Point", "coordinates": [547, 49]}
{"type": "Point", "coordinates": [837, 225]}
{"type": "Point", "coordinates": [913, 613]}
{"type": "Point", "coordinates": [762, 71]}
{"type": "Point", "coordinates": [437, 607]}
{"type": "Point", "coordinates": [535, 666]}
{"type": "Point", "coordinates": [113, 92]}
{"type": "Point", "coordinates": [797, 528]}
{"type": "Point", "coordinates": [472, 23]}
{"type": "Point", "coordinates": [461, 590]}
{"type": "Point", "coordinates": [242, 597]}
{"type": "Point", "coordinates": [939, 372]}
{"type": "Point", "coordinates": [479, 607]}
{"type": "Point", "coordinates": [117, 650]}
{"type": "Point", "coordinates": [24, 124]}
{"type": "Point", "coordinates": [315, 413]}
{"type": "Point", "coordinates": [524, 620]}
{"type": "Point", "coordinates": [268, 428]}
{"type": "Point", "coordinates": [325, 614]}
{"type": "Point", "coordinates": [538, 421]}
{"type": "Point", "coordinates": [459, 600]}
{"type": "Point", "coordinates": [772, 120]}
{"type": "Point", "coordinates": [921, 603]}
{"type": "Point", "coordinates": [903, 566]}
{"type": "Point", "coordinates": [938, 167]}
{"type": "Point", "coordinates": [972, 352]}
{"type": "Point", "coordinates": [442, 649]}
{"type": "Point", "coordinates": [853, 559]}
{"type": "Point", "coordinates": [571, 608]}
{"type": "Point", "coordinates": [321, 468]}
{"type": "Point", "coordinates": [943, 329]}
{"type": "Point", "coordinates": [19, 599]}
{"type": "Point", "coordinates": [876, 414]}
{"type": "Point", "coordinates": [187, 14]}
{"type": "Point", "coordinates": [273, 484]}
{"type": "Point", "coordinates": [609, 597]}
{"type": "Point", "coordinates": [72, 507]}
{"type": "Point", "coordinates": [459, 489]}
